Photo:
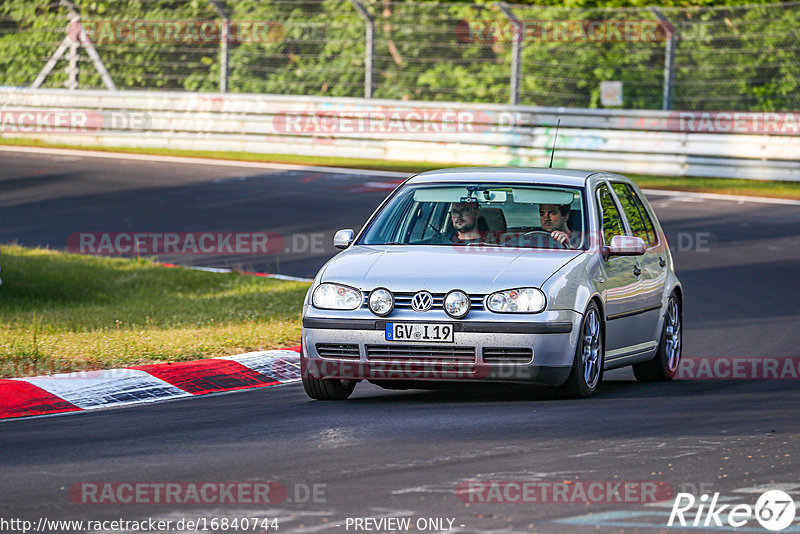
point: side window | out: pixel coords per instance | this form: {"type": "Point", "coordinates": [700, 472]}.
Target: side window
{"type": "Point", "coordinates": [627, 199]}
{"type": "Point", "coordinates": [612, 222]}
{"type": "Point", "coordinates": [652, 236]}
{"type": "Point", "coordinates": [637, 215]}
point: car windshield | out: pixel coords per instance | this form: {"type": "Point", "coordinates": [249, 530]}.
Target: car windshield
{"type": "Point", "coordinates": [493, 214]}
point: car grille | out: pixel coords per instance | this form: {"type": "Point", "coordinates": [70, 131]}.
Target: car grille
{"type": "Point", "coordinates": [420, 353]}
{"type": "Point", "coordinates": [507, 355]}
{"type": "Point", "coordinates": [402, 301]}
{"type": "Point", "coordinates": [338, 351]}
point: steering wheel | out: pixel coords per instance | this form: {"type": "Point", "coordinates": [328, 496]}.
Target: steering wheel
{"type": "Point", "coordinates": [542, 233]}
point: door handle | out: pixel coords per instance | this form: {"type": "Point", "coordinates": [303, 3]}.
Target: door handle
{"type": "Point", "coordinates": [661, 262]}
{"type": "Point", "coordinates": [636, 270]}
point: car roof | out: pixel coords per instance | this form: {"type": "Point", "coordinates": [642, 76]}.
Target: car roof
{"type": "Point", "coordinates": [505, 174]}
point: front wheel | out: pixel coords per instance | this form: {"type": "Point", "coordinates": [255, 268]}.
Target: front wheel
{"type": "Point", "coordinates": [587, 366]}
{"type": "Point", "coordinates": [664, 366]}
{"type": "Point", "coordinates": [328, 388]}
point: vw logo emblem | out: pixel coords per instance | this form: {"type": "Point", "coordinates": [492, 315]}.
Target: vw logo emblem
{"type": "Point", "coordinates": [422, 301]}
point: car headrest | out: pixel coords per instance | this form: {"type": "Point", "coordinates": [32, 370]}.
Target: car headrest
{"type": "Point", "coordinates": [492, 220]}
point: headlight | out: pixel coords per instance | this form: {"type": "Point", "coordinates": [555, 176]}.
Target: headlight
{"type": "Point", "coordinates": [381, 302]}
{"type": "Point", "coordinates": [456, 304]}
{"type": "Point", "coordinates": [522, 300]}
{"type": "Point", "coordinates": [335, 297]}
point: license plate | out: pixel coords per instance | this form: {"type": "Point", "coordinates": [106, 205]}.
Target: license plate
{"type": "Point", "coordinates": [442, 333]}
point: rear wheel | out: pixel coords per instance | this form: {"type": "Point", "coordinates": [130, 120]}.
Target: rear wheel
{"type": "Point", "coordinates": [587, 366]}
{"type": "Point", "coordinates": [328, 388]}
{"type": "Point", "coordinates": [665, 364]}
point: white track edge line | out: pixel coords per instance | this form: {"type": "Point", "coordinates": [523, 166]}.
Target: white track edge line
{"type": "Point", "coordinates": [226, 271]}
{"type": "Point", "coordinates": [719, 196]}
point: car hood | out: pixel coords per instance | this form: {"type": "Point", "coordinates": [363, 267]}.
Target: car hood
{"type": "Point", "coordinates": [409, 268]}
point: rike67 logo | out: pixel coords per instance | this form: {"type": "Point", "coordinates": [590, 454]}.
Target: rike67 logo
{"type": "Point", "coordinates": [774, 510]}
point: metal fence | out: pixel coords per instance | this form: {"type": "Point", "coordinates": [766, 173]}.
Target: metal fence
{"type": "Point", "coordinates": [720, 58]}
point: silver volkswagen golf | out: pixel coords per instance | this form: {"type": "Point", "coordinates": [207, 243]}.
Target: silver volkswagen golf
{"type": "Point", "coordinates": [537, 276]}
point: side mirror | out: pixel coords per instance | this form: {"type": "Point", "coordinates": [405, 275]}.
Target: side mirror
{"type": "Point", "coordinates": [343, 238]}
{"type": "Point", "coordinates": [625, 245]}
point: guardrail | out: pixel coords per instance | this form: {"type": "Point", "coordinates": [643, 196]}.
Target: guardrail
{"type": "Point", "coordinates": [741, 145]}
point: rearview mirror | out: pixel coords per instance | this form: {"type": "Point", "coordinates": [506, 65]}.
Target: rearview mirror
{"type": "Point", "coordinates": [491, 195]}
{"type": "Point", "coordinates": [625, 245]}
{"type": "Point", "coordinates": [343, 238]}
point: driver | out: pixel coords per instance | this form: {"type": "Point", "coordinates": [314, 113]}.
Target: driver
{"type": "Point", "coordinates": [464, 216]}
{"type": "Point", "coordinates": [554, 219]}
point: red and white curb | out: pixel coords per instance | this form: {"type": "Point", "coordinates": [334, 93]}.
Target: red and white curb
{"type": "Point", "coordinates": [89, 390]}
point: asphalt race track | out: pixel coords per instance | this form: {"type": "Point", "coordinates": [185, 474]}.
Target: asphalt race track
{"type": "Point", "coordinates": [410, 453]}
{"type": "Point", "coordinates": [72, 195]}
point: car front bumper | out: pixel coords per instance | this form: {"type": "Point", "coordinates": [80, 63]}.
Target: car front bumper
{"type": "Point", "coordinates": [489, 348]}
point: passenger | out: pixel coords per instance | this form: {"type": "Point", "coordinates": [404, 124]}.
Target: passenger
{"type": "Point", "coordinates": [464, 216]}
{"type": "Point", "coordinates": [554, 219]}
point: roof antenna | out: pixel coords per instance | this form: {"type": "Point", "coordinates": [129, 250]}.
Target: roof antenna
{"type": "Point", "coordinates": [553, 152]}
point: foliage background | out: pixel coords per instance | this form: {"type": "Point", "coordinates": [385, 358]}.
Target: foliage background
{"type": "Point", "coordinates": [728, 57]}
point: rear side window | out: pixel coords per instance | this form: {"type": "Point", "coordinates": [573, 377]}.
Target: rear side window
{"type": "Point", "coordinates": [612, 221]}
{"type": "Point", "coordinates": [634, 209]}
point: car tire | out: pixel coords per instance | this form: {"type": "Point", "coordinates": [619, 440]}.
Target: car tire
{"type": "Point", "coordinates": [587, 365]}
{"type": "Point", "coordinates": [328, 388]}
{"type": "Point", "coordinates": [664, 366]}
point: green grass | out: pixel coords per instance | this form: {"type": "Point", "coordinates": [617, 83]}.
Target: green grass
{"type": "Point", "coordinates": [63, 312]}
{"type": "Point", "coordinates": [727, 186]}
{"type": "Point", "coordinates": [724, 186]}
